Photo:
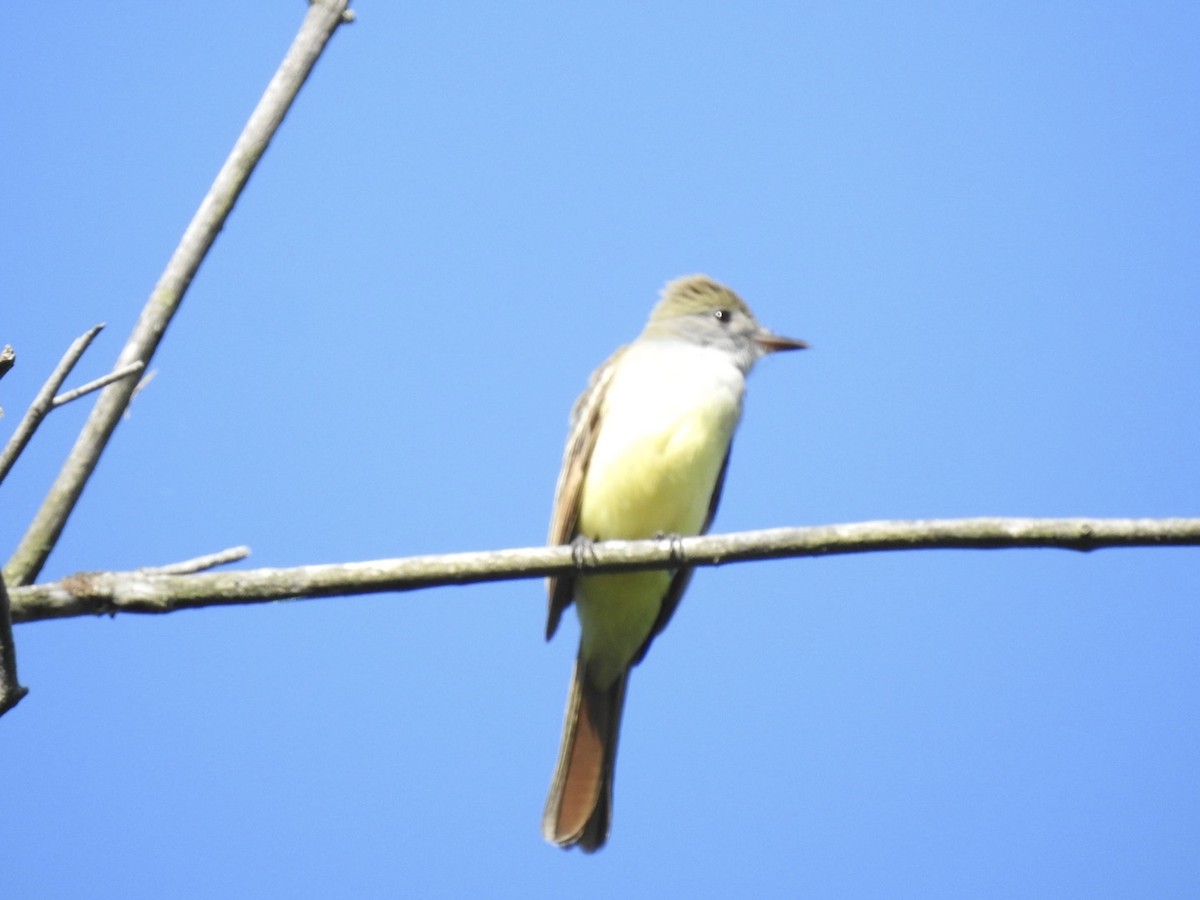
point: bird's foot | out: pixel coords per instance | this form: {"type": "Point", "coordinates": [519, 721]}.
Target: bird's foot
{"type": "Point", "coordinates": [582, 552]}
{"type": "Point", "coordinates": [676, 542]}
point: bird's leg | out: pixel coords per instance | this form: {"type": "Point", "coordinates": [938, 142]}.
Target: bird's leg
{"type": "Point", "coordinates": [582, 552]}
{"type": "Point", "coordinates": [676, 542]}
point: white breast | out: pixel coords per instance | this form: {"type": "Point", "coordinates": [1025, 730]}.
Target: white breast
{"type": "Point", "coordinates": [666, 423]}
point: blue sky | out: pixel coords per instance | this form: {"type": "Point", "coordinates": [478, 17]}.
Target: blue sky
{"type": "Point", "coordinates": [985, 219]}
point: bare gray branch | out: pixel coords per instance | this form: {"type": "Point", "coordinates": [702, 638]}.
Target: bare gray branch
{"type": "Point", "coordinates": [321, 20]}
{"type": "Point", "coordinates": [103, 381]}
{"type": "Point", "coordinates": [44, 401]}
{"type": "Point", "coordinates": [200, 563]}
{"type": "Point", "coordinates": [95, 593]}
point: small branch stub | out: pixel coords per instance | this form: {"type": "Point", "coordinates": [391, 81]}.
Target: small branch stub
{"type": "Point", "coordinates": [8, 359]}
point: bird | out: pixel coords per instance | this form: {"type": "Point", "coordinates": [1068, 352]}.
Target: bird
{"type": "Point", "coordinates": [646, 455]}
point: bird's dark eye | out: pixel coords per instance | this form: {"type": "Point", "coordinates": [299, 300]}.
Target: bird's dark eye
{"type": "Point", "coordinates": [723, 316]}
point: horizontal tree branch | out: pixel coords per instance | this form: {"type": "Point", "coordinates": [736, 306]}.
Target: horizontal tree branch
{"type": "Point", "coordinates": [97, 593]}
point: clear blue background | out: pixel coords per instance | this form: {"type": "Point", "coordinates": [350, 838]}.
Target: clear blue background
{"type": "Point", "coordinates": [985, 218]}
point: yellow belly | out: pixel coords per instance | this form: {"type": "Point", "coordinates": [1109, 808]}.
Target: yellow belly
{"type": "Point", "coordinates": [666, 424]}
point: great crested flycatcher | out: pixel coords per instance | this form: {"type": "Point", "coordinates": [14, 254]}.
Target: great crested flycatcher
{"type": "Point", "coordinates": [646, 456]}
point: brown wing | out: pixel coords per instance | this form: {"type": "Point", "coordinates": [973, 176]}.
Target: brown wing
{"type": "Point", "coordinates": [680, 581]}
{"type": "Point", "coordinates": [585, 425]}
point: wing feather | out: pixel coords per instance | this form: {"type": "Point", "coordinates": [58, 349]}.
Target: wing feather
{"type": "Point", "coordinates": [564, 519]}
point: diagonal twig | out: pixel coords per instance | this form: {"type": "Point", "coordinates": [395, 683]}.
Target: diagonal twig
{"type": "Point", "coordinates": [103, 381]}
{"type": "Point", "coordinates": [44, 401]}
{"type": "Point", "coordinates": [321, 20]}
{"type": "Point", "coordinates": [200, 563]}
{"type": "Point", "coordinates": [95, 593]}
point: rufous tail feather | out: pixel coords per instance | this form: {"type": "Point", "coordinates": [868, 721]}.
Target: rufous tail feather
{"type": "Point", "coordinates": [579, 808]}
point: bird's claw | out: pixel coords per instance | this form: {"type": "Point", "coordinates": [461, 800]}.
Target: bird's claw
{"type": "Point", "coordinates": [676, 542]}
{"type": "Point", "coordinates": [583, 553]}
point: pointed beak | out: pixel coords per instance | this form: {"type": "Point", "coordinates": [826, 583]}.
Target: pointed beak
{"type": "Point", "coordinates": [773, 343]}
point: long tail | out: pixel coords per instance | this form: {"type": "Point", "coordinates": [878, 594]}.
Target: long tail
{"type": "Point", "coordinates": [579, 808]}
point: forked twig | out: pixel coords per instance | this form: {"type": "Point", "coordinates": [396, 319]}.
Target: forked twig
{"type": "Point", "coordinates": [44, 401]}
